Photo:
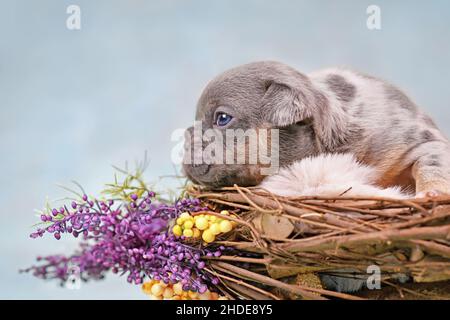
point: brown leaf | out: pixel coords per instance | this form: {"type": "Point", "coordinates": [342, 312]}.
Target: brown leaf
{"type": "Point", "coordinates": [275, 227]}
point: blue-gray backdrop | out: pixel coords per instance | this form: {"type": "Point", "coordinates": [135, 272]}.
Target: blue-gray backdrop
{"type": "Point", "coordinates": [74, 102]}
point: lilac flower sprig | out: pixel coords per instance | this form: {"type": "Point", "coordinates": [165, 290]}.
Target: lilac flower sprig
{"type": "Point", "coordinates": [129, 235]}
{"type": "Point", "coordinates": [92, 217]}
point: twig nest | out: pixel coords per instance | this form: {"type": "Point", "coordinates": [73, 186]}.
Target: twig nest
{"type": "Point", "coordinates": [407, 237]}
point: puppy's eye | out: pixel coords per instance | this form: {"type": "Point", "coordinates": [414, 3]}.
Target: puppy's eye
{"type": "Point", "coordinates": [222, 119]}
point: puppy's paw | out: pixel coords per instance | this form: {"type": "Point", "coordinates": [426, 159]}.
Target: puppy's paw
{"type": "Point", "coordinates": [430, 189]}
{"type": "Point", "coordinates": [430, 194]}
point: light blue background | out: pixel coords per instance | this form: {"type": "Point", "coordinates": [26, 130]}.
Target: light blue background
{"type": "Point", "coordinates": [74, 102]}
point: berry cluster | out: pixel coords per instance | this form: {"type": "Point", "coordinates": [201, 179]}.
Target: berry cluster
{"type": "Point", "coordinates": [206, 226]}
{"type": "Point", "coordinates": [128, 236]}
{"type": "Point", "coordinates": [158, 290]}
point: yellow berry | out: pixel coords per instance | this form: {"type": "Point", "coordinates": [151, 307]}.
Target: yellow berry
{"type": "Point", "coordinates": [233, 223]}
{"type": "Point", "coordinates": [201, 223]}
{"type": "Point", "coordinates": [180, 221]}
{"type": "Point", "coordinates": [157, 290]}
{"type": "Point", "coordinates": [208, 236]}
{"type": "Point", "coordinates": [205, 296]}
{"type": "Point", "coordinates": [178, 288]}
{"type": "Point", "coordinates": [188, 224]}
{"type": "Point", "coordinates": [146, 287]}
{"type": "Point", "coordinates": [185, 215]}
{"type": "Point", "coordinates": [193, 295]}
{"type": "Point", "coordinates": [177, 230]}
{"type": "Point", "coordinates": [214, 296]}
{"type": "Point", "coordinates": [225, 226]}
{"type": "Point", "coordinates": [197, 233]}
{"type": "Point", "coordinates": [215, 229]}
{"type": "Point", "coordinates": [168, 293]}
{"type": "Point", "coordinates": [188, 233]}
{"type": "Point", "coordinates": [224, 212]}
{"type": "Point", "coordinates": [176, 298]}
{"type": "Point", "coordinates": [212, 218]}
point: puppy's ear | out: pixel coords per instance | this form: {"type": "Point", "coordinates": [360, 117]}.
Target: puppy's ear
{"type": "Point", "coordinates": [285, 105]}
{"type": "Point", "coordinates": [292, 98]}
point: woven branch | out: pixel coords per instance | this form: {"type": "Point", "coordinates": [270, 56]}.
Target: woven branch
{"type": "Point", "coordinates": [325, 234]}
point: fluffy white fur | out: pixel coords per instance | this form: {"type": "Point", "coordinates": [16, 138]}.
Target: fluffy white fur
{"type": "Point", "coordinates": [328, 175]}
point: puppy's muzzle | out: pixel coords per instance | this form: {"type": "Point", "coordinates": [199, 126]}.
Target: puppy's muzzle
{"type": "Point", "coordinates": [199, 169]}
{"type": "Point", "coordinates": [193, 163]}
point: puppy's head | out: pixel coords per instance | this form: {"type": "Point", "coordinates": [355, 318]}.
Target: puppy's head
{"type": "Point", "coordinates": [253, 98]}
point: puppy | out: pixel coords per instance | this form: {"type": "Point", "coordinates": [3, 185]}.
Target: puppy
{"type": "Point", "coordinates": [331, 111]}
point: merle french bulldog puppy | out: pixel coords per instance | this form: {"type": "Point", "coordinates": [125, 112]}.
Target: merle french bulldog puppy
{"type": "Point", "coordinates": [330, 111]}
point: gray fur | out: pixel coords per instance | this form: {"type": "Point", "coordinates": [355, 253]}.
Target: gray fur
{"type": "Point", "coordinates": [411, 135]}
{"type": "Point", "coordinates": [402, 100]}
{"type": "Point", "coordinates": [344, 91]}
{"type": "Point", "coordinates": [427, 136]}
{"type": "Point", "coordinates": [428, 121]}
{"type": "Point", "coordinates": [395, 122]}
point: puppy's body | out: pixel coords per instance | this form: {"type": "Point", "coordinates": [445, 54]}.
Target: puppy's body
{"type": "Point", "coordinates": [329, 111]}
{"type": "Point", "coordinates": [387, 131]}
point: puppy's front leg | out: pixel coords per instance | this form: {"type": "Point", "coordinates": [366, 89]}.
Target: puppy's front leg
{"type": "Point", "coordinates": [431, 168]}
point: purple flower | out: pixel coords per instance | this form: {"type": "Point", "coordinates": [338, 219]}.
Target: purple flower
{"type": "Point", "coordinates": [125, 237]}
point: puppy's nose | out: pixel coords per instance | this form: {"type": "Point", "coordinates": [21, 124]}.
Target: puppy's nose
{"type": "Point", "coordinates": [200, 169]}
{"type": "Point", "coordinates": [189, 132]}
